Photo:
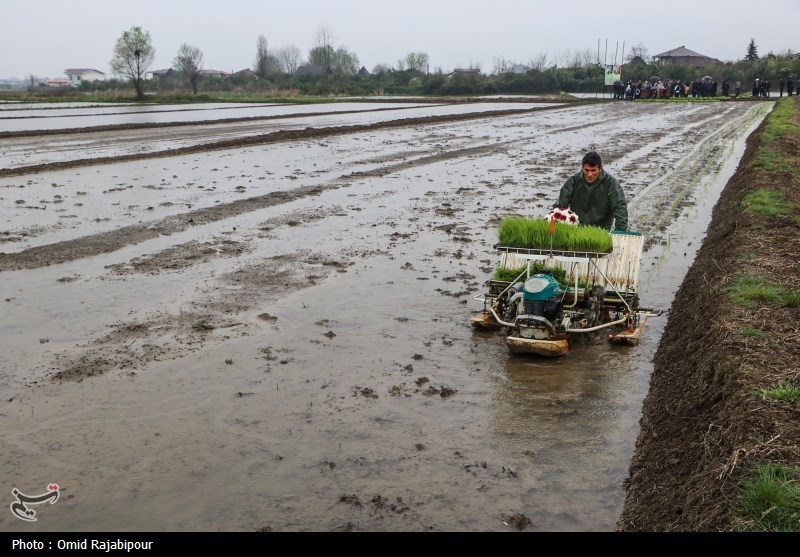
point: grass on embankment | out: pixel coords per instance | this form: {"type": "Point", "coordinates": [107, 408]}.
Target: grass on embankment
{"type": "Point", "coordinates": [769, 495]}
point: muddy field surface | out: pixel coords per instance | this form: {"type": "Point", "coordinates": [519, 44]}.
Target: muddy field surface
{"type": "Point", "coordinates": [273, 333]}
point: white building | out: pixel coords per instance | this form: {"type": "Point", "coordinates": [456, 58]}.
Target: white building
{"type": "Point", "coordinates": [77, 76]}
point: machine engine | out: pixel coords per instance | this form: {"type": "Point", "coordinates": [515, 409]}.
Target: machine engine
{"type": "Point", "coordinates": [540, 307]}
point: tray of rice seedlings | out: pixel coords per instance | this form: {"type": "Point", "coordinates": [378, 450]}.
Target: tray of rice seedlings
{"type": "Point", "coordinates": [509, 274]}
{"type": "Point", "coordinates": [520, 232]}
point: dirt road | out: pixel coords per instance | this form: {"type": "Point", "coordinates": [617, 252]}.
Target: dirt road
{"type": "Point", "coordinates": [275, 334]}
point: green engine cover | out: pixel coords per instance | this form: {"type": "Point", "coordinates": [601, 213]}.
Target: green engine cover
{"type": "Point", "coordinates": [541, 287]}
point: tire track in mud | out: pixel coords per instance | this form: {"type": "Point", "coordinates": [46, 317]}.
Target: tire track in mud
{"type": "Point", "coordinates": [130, 346]}
{"type": "Point", "coordinates": [652, 208]}
{"type": "Point", "coordinates": [660, 203]}
{"type": "Point", "coordinates": [106, 242]}
{"type": "Point", "coordinates": [264, 139]}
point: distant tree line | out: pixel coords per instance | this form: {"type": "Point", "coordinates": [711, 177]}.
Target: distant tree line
{"type": "Point", "coordinates": [389, 81]}
{"type": "Point", "coordinates": [337, 71]}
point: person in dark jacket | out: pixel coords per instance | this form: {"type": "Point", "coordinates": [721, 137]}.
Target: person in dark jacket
{"type": "Point", "coordinates": [595, 195]}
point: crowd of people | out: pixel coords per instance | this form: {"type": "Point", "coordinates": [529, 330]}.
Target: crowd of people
{"type": "Point", "coordinates": [707, 86]}
{"type": "Point", "coordinates": [792, 84]}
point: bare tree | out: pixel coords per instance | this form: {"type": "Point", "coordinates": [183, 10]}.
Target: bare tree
{"type": "Point", "coordinates": [581, 58]}
{"type": "Point", "coordinates": [638, 50]}
{"type": "Point", "coordinates": [289, 59]}
{"type": "Point", "coordinates": [261, 64]}
{"type": "Point", "coordinates": [417, 61]}
{"type": "Point", "coordinates": [188, 63]}
{"type": "Point", "coordinates": [266, 63]}
{"type": "Point", "coordinates": [381, 68]}
{"type": "Point", "coordinates": [538, 63]}
{"type": "Point", "coordinates": [323, 51]}
{"type": "Point", "coordinates": [501, 65]}
{"type": "Point", "coordinates": [133, 54]}
{"type": "Point", "coordinates": [345, 62]}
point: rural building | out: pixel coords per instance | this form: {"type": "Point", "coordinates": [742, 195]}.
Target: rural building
{"type": "Point", "coordinates": [684, 57]}
{"type": "Point", "coordinates": [214, 73]}
{"type": "Point", "coordinates": [309, 69]}
{"type": "Point", "coordinates": [519, 68]}
{"type": "Point", "coordinates": [163, 76]}
{"type": "Point", "coordinates": [58, 82]}
{"type": "Point", "coordinates": [247, 72]}
{"type": "Point", "coordinates": [76, 76]}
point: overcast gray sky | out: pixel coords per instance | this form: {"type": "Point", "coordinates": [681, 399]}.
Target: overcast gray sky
{"type": "Point", "coordinates": [45, 37]}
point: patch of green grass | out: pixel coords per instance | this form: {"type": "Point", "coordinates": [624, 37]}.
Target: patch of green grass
{"type": "Point", "coordinates": [768, 203]}
{"type": "Point", "coordinates": [770, 499]}
{"type": "Point", "coordinates": [746, 290]}
{"type": "Point", "coordinates": [787, 390]}
{"type": "Point", "coordinates": [521, 232]}
{"type": "Point", "coordinates": [779, 124]}
{"type": "Point", "coordinates": [751, 332]}
{"type": "Point", "coordinates": [791, 300]}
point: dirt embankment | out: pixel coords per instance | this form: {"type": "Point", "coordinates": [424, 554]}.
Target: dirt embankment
{"type": "Point", "coordinates": [704, 423]}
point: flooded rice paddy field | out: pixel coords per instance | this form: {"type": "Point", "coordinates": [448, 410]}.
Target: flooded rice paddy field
{"type": "Point", "coordinates": [276, 336]}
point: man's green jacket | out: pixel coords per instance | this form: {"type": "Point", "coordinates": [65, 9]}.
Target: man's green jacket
{"type": "Point", "coordinates": [601, 203]}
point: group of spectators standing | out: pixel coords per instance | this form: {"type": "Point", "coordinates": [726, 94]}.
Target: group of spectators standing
{"type": "Point", "coordinates": [761, 87]}
{"type": "Point", "coordinates": [659, 89]}
{"type": "Point", "coordinates": [791, 84]}
{"type": "Point", "coordinates": [705, 87]}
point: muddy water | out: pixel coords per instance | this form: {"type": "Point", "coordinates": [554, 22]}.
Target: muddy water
{"type": "Point", "coordinates": [309, 365]}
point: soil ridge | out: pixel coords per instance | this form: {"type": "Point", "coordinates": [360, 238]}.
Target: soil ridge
{"type": "Point", "coordinates": [704, 423]}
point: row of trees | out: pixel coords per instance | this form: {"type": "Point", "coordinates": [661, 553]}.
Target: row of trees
{"type": "Point", "coordinates": [275, 71]}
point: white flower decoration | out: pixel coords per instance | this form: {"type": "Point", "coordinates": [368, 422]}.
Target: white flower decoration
{"type": "Point", "coordinates": [563, 215]}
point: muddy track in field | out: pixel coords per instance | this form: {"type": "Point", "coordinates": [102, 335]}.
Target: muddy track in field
{"type": "Point", "coordinates": [260, 139]}
{"type": "Point", "coordinates": [654, 207]}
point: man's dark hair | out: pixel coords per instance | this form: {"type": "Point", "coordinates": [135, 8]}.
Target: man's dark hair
{"type": "Point", "coordinates": [592, 158]}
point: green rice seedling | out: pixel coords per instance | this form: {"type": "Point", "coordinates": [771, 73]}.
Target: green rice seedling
{"type": "Point", "coordinates": [510, 274]}
{"type": "Point", "coordinates": [521, 232]}
{"type": "Point", "coordinates": [770, 499]}
{"type": "Point", "coordinates": [507, 274]}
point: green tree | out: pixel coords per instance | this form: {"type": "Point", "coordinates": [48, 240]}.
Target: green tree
{"type": "Point", "coordinates": [133, 55]}
{"type": "Point", "coordinates": [752, 51]}
{"type": "Point", "coordinates": [188, 63]}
